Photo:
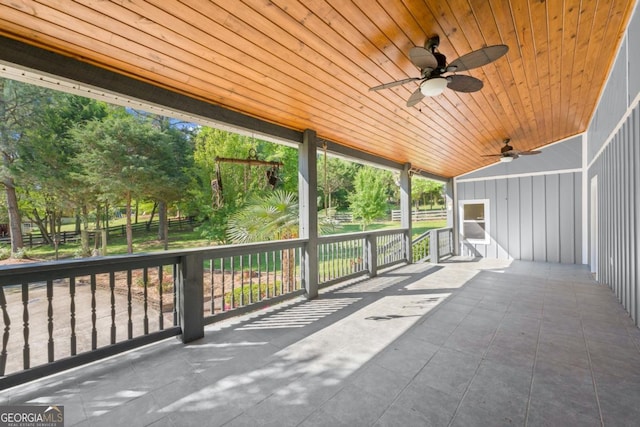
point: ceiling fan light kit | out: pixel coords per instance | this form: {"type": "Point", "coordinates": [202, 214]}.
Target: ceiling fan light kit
{"type": "Point", "coordinates": [506, 159]}
{"type": "Point", "coordinates": [433, 87]}
{"type": "Point", "coordinates": [433, 65]}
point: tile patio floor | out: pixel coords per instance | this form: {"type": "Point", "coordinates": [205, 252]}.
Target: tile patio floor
{"type": "Point", "coordinates": [463, 343]}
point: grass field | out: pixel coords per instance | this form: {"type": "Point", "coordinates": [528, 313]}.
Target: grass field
{"type": "Point", "coordinates": [184, 239]}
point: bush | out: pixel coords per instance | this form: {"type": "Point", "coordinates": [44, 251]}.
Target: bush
{"type": "Point", "coordinates": [5, 252]}
{"type": "Point", "coordinates": [239, 292]}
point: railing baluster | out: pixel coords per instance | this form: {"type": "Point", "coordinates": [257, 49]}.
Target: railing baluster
{"type": "Point", "coordinates": [160, 309]}
{"type": "Point", "coordinates": [260, 296]}
{"type": "Point", "coordinates": [282, 284]}
{"type": "Point", "coordinates": [94, 330]}
{"type": "Point", "coordinates": [50, 344]}
{"type": "Point", "coordinates": [342, 258]}
{"type": "Point", "coordinates": [175, 296]}
{"type": "Point", "coordinates": [277, 285]}
{"type": "Point", "coordinates": [129, 307]}
{"type": "Point", "coordinates": [72, 320]}
{"type": "Point", "coordinates": [334, 260]}
{"type": "Point", "coordinates": [242, 273]}
{"type": "Point", "coordinates": [233, 283]}
{"type": "Point", "coordinates": [5, 335]}
{"type": "Point", "coordinates": [224, 307]}
{"type": "Point", "coordinates": [26, 359]}
{"type": "Point", "coordinates": [112, 289]}
{"type": "Point", "coordinates": [320, 264]}
{"type": "Point", "coordinates": [145, 304]}
{"type": "Point", "coordinates": [212, 271]}
{"type": "Point", "coordinates": [266, 269]}
{"type": "Point", "coordinates": [251, 280]}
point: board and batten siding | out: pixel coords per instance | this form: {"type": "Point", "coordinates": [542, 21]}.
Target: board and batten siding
{"type": "Point", "coordinates": [617, 169]}
{"type": "Point", "coordinates": [613, 142]}
{"type": "Point", "coordinates": [531, 217]}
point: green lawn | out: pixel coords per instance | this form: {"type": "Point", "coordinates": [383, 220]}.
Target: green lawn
{"type": "Point", "coordinates": [417, 228]}
{"type": "Point", "coordinates": [183, 239]}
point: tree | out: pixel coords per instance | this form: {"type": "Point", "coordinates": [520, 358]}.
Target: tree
{"type": "Point", "coordinates": [125, 157]}
{"type": "Point", "coordinates": [20, 106]}
{"type": "Point", "coordinates": [339, 176]}
{"type": "Point", "coordinates": [368, 201]}
{"type": "Point", "coordinates": [175, 169]}
{"type": "Point", "coordinates": [425, 191]}
{"type": "Point", "coordinates": [220, 189]}
{"type": "Point", "coordinates": [45, 166]}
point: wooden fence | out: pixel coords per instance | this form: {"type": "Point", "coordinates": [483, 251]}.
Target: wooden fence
{"type": "Point", "coordinates": [35, 238]}
{"type": "Point", "coordinates": [421, 215]}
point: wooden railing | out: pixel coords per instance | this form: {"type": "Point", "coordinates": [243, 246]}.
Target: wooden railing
{"type": "Point", "coordinates": [62, 314]}
{"type": "Point", "coordinates": [433, 245]}
{"type": "Point", "coordinates": [343, 256]}
{"type": "Point", "coordinates": [57, 315]}
{"type": "Point", "coordinates": [420, 247]}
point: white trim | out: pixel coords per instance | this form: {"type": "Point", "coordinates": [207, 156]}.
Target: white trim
{"type": "Point", "coordinates": [520, 175]}
{"type": "Point", "coordinates": [585, 200]}
{"type": "Point", "coordinates": [593, 226]}
{"type": "Point", "coordinates": [486, 220]}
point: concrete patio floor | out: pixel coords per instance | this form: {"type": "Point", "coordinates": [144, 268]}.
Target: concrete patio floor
{"type": "Point", "coordinates": [464, 343]}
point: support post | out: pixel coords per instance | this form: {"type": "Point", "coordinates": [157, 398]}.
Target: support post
{"type": "Point", "coordinates": [405, 208]}
{"type": "Point", "coordinates": [451, 202]}
{"type": "Point", "coordinates": [372, 255]}
{"type": "Point", "coordinates": [434, 247]}
{"type": "Point", "coordinates": [190, 298]}
{"type": "Point", "coordinates": [308, 200]}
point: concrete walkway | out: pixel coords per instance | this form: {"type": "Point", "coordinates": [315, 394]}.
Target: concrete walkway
{"type": "Point", "coordinates": [464, 343]}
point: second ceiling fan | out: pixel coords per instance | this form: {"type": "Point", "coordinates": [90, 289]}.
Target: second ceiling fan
{"type": "Point", "coordinates": [433, 66]}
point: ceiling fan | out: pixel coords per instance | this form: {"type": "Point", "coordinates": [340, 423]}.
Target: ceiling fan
{"type": "Point", "coordinates": [433, 66]}
{"type": "Point", "coordinates": [508, 153]}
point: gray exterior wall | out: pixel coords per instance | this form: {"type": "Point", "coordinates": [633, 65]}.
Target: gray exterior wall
{"type": "Point", "coordinates": [531, 217]}
{"type": "Point", "coordinates": [561, 156]}
{"type": "Point", "coordinates": [614, 158]}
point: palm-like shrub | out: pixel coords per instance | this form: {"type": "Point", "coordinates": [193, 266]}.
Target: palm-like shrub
{"type": "Point", "coordinates": [273, 216]}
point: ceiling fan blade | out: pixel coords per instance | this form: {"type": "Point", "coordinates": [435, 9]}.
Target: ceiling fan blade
{"type": "Point", "coordinates": [463, 83]}
{"type": "Point", "coordinates": [396, 83]}
{"type": "Point", "coordinates": [491, 155]}
{"type": "Point", "coordinates": [422, 58]}
{"type": "Point", "coordinates": [529, 153]}
{"type": "Point", "coordinates": [415, 97]}
{"type": "Point", "coordinates": [478, 58]}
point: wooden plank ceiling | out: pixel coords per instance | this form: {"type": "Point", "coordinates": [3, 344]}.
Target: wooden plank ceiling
{"type": "Point", "coordinates": [309, 64]}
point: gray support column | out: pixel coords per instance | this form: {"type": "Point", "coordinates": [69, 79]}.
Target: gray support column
{"type": "Point", "coordinates": [451, 203]}
{"type": "Point", "coordinates": [405, 207]}
{"type": "Point", "coordinates": [190, 298]}
{"type": "Point", "coordinates": [308, 199]}
{"type": "Point", "coordinates": [372, 255]}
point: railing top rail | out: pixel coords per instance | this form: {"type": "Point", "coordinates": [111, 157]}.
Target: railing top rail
{"type": "Point", "coordinates": [422, 237]}
{"type": "Point", "coordinates": [427, 233]}
{"type": "Point", "coordinates": [250, 248]}
{"type": "Point", "coordinates": [359, 235]}
{"type": "Point", "coordinates": [51, 270]}
{"type": "Point", "coordinates": [444, 229]}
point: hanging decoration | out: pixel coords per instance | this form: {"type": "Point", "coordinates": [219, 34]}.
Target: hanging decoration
{"type": "Point", "coordinates": [272, 173]}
